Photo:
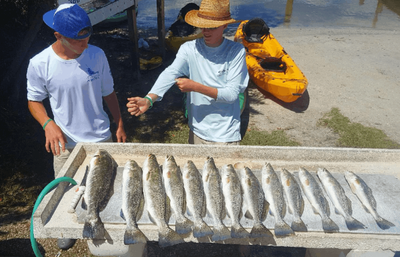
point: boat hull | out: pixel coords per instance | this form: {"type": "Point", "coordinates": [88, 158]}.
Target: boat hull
{"type": "Point", "coordinates": [271, 68]}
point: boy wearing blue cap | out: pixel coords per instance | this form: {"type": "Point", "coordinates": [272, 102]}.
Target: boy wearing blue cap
{"type": "Point", "coordinates": [76, 77]}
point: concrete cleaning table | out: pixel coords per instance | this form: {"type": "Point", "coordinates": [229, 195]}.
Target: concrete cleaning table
{"type": "Point", "coordinates": [380, 169]}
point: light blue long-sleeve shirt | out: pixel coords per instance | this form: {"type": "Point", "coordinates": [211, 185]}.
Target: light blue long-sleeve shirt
{"type": "Point", "coordinates": [223, 67]}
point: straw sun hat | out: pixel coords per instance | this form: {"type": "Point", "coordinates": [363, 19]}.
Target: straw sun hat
{"type": "Point", "coordinates": [212, 13]}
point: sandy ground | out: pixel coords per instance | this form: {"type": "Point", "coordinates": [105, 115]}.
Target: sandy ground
{"type": "Point", "coordinates": [353, 69]}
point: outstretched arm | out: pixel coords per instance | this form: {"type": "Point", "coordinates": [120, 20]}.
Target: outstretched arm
{"type": "Point", "coordinates": [53, 133]}
{"type": "Point", "coordinates": [113, 106]}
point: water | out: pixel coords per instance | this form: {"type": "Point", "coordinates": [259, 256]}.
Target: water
{"type": "Point", "coordinates": [376, 14]}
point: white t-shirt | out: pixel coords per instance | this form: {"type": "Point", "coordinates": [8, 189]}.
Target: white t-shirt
{"type": "Point", "coordinates": [223, 67]}
{"type": "Point", "coordinates": [75, 89]}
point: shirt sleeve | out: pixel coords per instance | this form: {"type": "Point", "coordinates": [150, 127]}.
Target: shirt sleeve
{"type": "Point", "coordinates": [237, 79]}
{"type": "Point", "coordinates": [36, 85]}
{"type": "Point", "coordinates": [166, 80]}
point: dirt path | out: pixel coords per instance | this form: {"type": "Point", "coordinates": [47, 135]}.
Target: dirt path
{"type": "Point", "coordinates": [355, 70]}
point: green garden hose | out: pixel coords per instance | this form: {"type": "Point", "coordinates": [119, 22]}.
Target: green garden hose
{"type": "Point", "coordinates": [50, 186]}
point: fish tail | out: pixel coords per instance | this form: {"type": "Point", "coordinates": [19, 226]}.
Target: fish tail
{"type": "Point", "coordinates": [201, 229]}
{"type": "Point", "coordinates": [383, 224]}
{"type": "Point", "coordinates": [134, 236]}
{"type": "Point", "coordinates": [93, 229]}
{"type": "Point", "coordinates": [168, 237]}
{"type": "Point", "coordinates": [183, 226]}
{"type": "Point", "coordinates": [259, 230]}
{"type": "Point", "coordinates": [282, 229]}
{"type": "Point", "coordinates": [221, 232]}
{"type": "Point", "coordinates": [329, 226]}
{"type": "Point", "coordinates": [237, 231]}
{"type": "Point", "coordinates": [298, 225]}
{"type": "Point", "coordinates": [353, 224]}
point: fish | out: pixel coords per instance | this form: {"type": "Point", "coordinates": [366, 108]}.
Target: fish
{"type": "Point", "coordinates": [157, 202]}
{"type": "Point", "coordinates": [367, 199]}
{"type": "Point", "coordinates": [273, 192]}
{"type": "Point", "coordinates": [318, 202]}
{"type": "Point", "coordinates": [174, 189]}
{"type": "Point", "coordinates": [253, 196]}
{"type": "Point", "coordinates": [233, 195]}
{"type": "Point", "coordinates": [195, 199]}
{"type": "Point", "coordinates": [339, 199]}
{"type": "Point", "coordinates": [295, 201]}
{"type": "Point", "coordinates": [215, 199]}
{"type": "Point", "coordinates": [99, 188]}
{"type": "Point", "coordinates": [132, 202]}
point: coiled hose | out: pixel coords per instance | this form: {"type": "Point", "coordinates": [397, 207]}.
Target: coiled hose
{"type": "Point", "coordinates": [50, 186]}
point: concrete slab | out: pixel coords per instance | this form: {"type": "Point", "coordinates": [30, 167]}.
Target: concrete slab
{"type": "Point", "coordinates": [52, 220]}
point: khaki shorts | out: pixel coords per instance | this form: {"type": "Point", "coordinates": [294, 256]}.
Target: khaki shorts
{"type": "Point", "coordinates": [58, 161]}
{"type": "Point", "coordinates": [193, 139]}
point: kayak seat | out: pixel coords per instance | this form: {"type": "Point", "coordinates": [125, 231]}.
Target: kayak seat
{"type": "Point", "coordinates": [255, 30]}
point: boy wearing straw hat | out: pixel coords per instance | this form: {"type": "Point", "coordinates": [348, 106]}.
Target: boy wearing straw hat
{"type": "Point", "coordinates": [216, 73]}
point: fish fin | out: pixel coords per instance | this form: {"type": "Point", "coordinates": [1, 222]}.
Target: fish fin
{"type": "Point", "coordinates": [314, 210]}
{"type": "Point", "coordinates": [121, 214]}
{"type": "Point", "coordinates": [83, 204]}
{"type": "Point", "coordinates": [134, 236]}
{"type": "Point", "coordinates": [140, 210]}
{"type": "Point", "coordinates": [329, 225]}
{"type": "Point", "coordinates": [151, 219]}
{"type": "Point", "coordinates": [384, 224]}
{"type": "Point", "coordinates": [94, 229]}
{"type": "Point", "coordinates": [201, 229]}
{"type": "Point", "coordinates": [325, 204]}
{"type": "Point", "coordinates": [189, 213]}
{"type": "Point", "coordinates": [167, 209]}
{"type": "Point", "coordinates": [237, 231]}
{"type": "Point", "coordinates": [350, 209]}
{"type": "Point", "coordinates": [204, 211]}
{"type": "Point", "coordinates": [227, 213]}
{"type": "Point", "coordinates": [337, 211]}
{"type": "Point", "coordinates": [168, 237]}
{"type": "Point", "coordinates": [184, 226]}
{"type": "Point", "coordinates": [290, 210]}
{"type": "Point", "coordinates": [298, 225]}
{"type": "Point", "coordinates": [282, 229]}
{"type": "Point", "coordinates": [248, 215]}
{"type": "Point", "coordinates": [221, 233]}
{"type": "Point", "coordinates": [259, 230]}
{"type": "Point", "coordinates": [353, 224]}
{"type": "Point", "coordinates": [265, 210]}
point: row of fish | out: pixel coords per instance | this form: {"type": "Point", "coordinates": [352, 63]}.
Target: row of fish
{"type": "Point", "coordinates": [220, 192]}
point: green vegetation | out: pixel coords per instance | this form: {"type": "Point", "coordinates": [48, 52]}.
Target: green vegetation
{"type": "Point", "coordinates": [252, 137]}
{"type": "Point", "coordinates": [354, 134]}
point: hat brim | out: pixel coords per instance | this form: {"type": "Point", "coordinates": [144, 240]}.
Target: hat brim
{"type": "Point", "coordinates": [48, 18]}
{"type": "Point", "coordinates": [193, 19]}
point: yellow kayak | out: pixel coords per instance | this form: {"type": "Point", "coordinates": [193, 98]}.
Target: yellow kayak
{"type": "Point", "coordinates": [269, 66]}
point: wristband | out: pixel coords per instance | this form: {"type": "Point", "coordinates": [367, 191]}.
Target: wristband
{"type": "Point", "coordinates": [151, 101]}
{"type": "Point", "coordinates": [45, 124]}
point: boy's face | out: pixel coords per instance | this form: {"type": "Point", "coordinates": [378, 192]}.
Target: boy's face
{"type": "Point", "coordinates": [75, 45]}
{"type": "Point", "coordinates": [213, 36]}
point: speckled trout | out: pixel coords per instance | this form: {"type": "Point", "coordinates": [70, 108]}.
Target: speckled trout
{"type": "Point", "coordinates": [174, 189]}
{"type": "Point", "coordinates": [367, 199]}
{"type": "Point", "coordinates": [195, 199]}
{"type": "Point", "coordinates": [99, 188]}
{"type": "Point", "coordinates": [316, 197]}
{"type": "Point", "coordinates": [215, 199]}
{"type": "Point", "coordinates": [339, 198]}
{"type": "Point", "coordinates": [273, 192]}
{"type": "Point", "coordinates": [233, 195]}
{"type": "Point", "coordinates": [295, 201]}
{"type": "Point", "coordinates": [132, 202]}
{"type": "Point", "coordinates": [157, 203]}
{"type": "Point", "coordinates": [255, 203]}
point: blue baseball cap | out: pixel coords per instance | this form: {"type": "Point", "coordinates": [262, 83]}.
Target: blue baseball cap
{"type": "Point", "coordinates": [68, 20]}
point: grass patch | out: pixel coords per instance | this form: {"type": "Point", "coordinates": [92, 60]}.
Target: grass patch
{"type": "Point", "coordinates": [252, 137]}
{"type": "Point", "coordinates": [354, 134]}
